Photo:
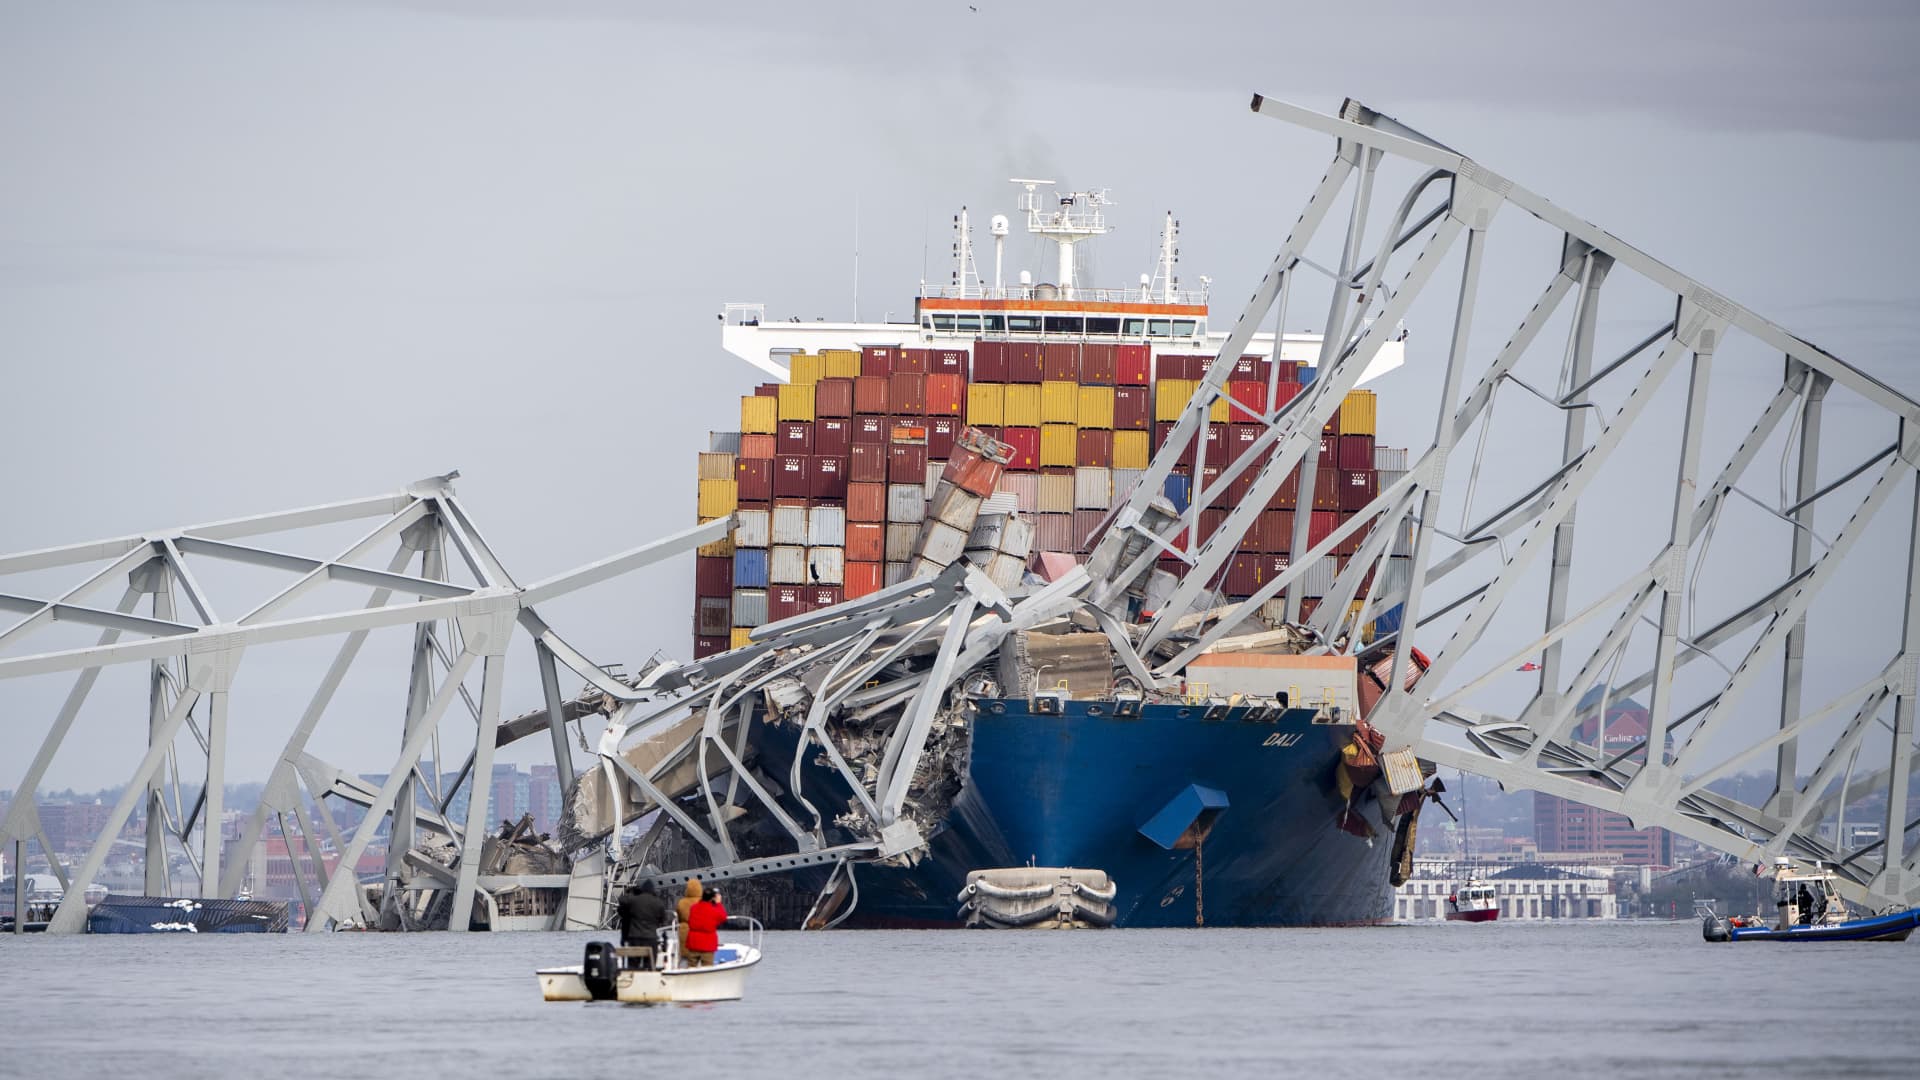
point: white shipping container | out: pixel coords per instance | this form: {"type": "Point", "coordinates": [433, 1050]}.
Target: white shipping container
{"type": "Point", "coordinates": [941, 543]}
{"type": "Point", "coordinates": [749, 607]}
{"type": "Point", "coordinates": [980, 558]}
{"type": "Point", "coordinates": [790, 525]}
{"type": "Point", "coordinates": [1403, 539]}
{"type": "Point", "coordinates": [1017, 538]}
{"type": "Point", "coordinates": [986, 532]}
{"type": "Point", "coordinates": [925, 568]}
{"type": "Point", "coordinates": [1092, 488]}
{"type": "Point", "coordinates": [1006, 571]}
{"type": "Point", "coordinates": [1389, 457]}
{"type": "Point", "coordinates": [723, 442]}
{"type": "Point", "coordinates": [1124, 481]}
{"type": "Point", "coordinates": [906, 503]}
{"type": "Point", "coordinates": [897, 572]}
{"type": "Point", "coordinates": [1000, 502]}
{"type": "Point", "coordinates": [1397, 575]}
{"type": "Point", "coordinates": [900, 538]}
{"type": "Point", "coordinates": [827, 526]}
{"type": "Point", "coordinates": [1056, 493]}
{"type": "Point", "coordinates": [827, 565]}
{"type": "Point", "coordinates": [935, 470]}
{"type": "Point", "coordinates": [1025, 489]}
{"type": "Point", "coordinates": [955, 506]}
{"type": "Point", "coordinates": [752, 528]}
{"type": "Point", "coordinates": [788, 565]}
{"type": "Point", "coordinates": [1318, 579]}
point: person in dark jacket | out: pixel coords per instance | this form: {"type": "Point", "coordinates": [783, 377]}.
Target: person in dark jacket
{"type": "Point", "coordinates": [703, 930]}
{"type": "Point", "coordinates": [642, 914]}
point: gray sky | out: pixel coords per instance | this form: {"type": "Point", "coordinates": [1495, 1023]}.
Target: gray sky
{"type": "Point", "coordinates": [255, 256]}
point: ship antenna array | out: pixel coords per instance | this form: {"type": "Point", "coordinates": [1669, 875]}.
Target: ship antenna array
{"type": "Point", "coordinates": [966, 278]}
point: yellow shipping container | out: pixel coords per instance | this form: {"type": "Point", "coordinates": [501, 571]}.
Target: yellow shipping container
{"type": "Point", "coordinates": [1359, 413]}
{"type": "Point", "coordinates": [1059, 402]}
{"type": "Point", "coordinates": [986, 404]}
{"type": "Point", "coordinates": [1221, 411]}
{"type": "Point", "coordinates": [1023, 405]}
{"type": "Point", "coordinates": [796, 401]}
{"type": "Point", "coordinates": [1131, 450]}
{"type": "Point", "coordinates": [759, 415]}
{"type": "Point", "coordinates": [743, 635]}
{"type": "Point", "coordinates": [716, 467]}
{"type": "Point", "coordinates": [1096, 407]}
{"type": "Point", "coordinates": [1366, 632]}
{"type": "Point", "coordinates": [842, 363]}
{"type": "Point", "coordinates": [805, 369]}
{"type": "Point", "coordinates": [718, 498]}
{"type": "Point", "coordinates": [1170, 398]}
{"type": "Point", "coordinates": [722, 548]}
{"type": "Point", "coordinates": [1058, 444]}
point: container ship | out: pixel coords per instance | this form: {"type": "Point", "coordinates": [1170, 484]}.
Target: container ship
{"type": "Point", "coordinates": [999, 431]}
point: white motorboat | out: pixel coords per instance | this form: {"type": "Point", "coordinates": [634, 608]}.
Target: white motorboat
{"type": "Point", "coordinates": [615, 974]}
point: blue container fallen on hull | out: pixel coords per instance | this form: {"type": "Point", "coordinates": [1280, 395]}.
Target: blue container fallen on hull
{"type": "Point", "coordinates": [186, 915]}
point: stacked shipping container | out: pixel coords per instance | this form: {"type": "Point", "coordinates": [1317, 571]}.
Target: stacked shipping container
{"type": "Point", "coordinates": [845, 479]}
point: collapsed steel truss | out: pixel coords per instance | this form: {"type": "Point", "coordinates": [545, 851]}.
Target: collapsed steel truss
{"type": "Point", "coordinates": [881, 672]}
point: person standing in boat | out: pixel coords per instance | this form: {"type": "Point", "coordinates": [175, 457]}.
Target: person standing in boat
{"type": "Point", "coordinates": [1782, 892]}
{"type": "Point", "coordinates": [683, 910]}
{"type": "Point", "coordinates": [703, 930]}
{"type": "Point", "coordinates": [642, 914]}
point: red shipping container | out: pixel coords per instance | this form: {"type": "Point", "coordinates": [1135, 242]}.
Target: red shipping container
{"type": "Point", "coordinates": [1023, 361]}
{"type": "Point", "coordinates": [972, 472]}
{"type": "Point", "coordinates": [1252, 395]}
{"type": "Point", "coordinates": [1240, 440]}
{"type": "Point", "coordinates": [1326, 488]}
{"type": "Point", "coordinates": [754, 477]}
{"type": "Point", "coordinates": [1333, 423]}
{"type": "Point", "coordinates": [1274, 531]}
{"type": "Point", "coordinates": [912, 361]}
{"type": "Point", "coordinates": [796, 437]}
{"type": "Point", "coordinates": [1059, 362]}
{"type": "Point", "coordinates": [1098, 365]}
{"type": "Point", "coordinates": [1243, 575]}
{"type": "Point", "coordinates": [1086, 524]}
{"type": "Point", "coordinates": [822, 596]}
{"type": "Point", "coordinates": [878, 360]}
{"type": "Point", "coordinates": [1241, 486]}
{"type": "Point", "coordinates": [1329, 451]}
{"type": "Point", "coordinates": [864, 578]}
{"type": "Point", "coordinates": [1130, 365]}
{"type": "Point", "coordinates": [941, 431]}
{"type": "Point", "coordinates": [1284, 392]}
{"type": "Point", "coordinates": [713, 576]}
{"type": "Point", "coordinates": [1290, 370]}
{"type": "Point", "coordinates": [786, 601]}
{"type": "Point", "coordinates": [832, 437]}
{"type": "Point", "coordinates": [704, 647]}
{"type": "Point", "coordinates": [1352, 543]}
{"type": "Point", "coordinates": [866, 502]}
{"type": "Point", "coordinates": [829, 478]}
{"type": "Point", "coordinates": [870, 395]}
{"type": "Point", "coordinates": [767, 389]}
{"type": "Point", "coordinates": [1132, 408]}
{"type": "Point", "coordinates": [1094, 447]}
{"type": "Point", "coordinates": [907, 463]}
{"type": "Point", "coordinates": [1356, 452]}
{"type": "Point", "coordinates": [1210, 522]}
{"type": "Point", "coordinates": [792, 476]}
{"type": "Point", "coordinates": [946, 395]}
{"type": "Point", "coordinates": [758, 446]}
{"type": "Point", "coordinates": [1287, 496]}
{"type": "Point", "coordinates": [866, 542]}
{"type": "Point", "coordinates": [948, 362]}
{"type": "Point", "coordinates": [907, 394]}
{"type": "Point", "coordinates": [872, 429]}
{"type": "Point", "coordinates": [1026, 447]}
{"type": "Point", "coordinates": [1357, 486]}
{"type": "Point", "coordinates": [907, 429]}
{"type": "Point", "coordinates": [990, 361]}
{"type": "Point", "coordinates": [833, 397]}
{"type": "Point", "coordinates": [867, 464]}
{"type": "Point", "coordinates": [1169, 366]}
{"type": "Point", "coordinates": [1320, 526]}
{"type": "Point", "coordinates": [1253, 369]}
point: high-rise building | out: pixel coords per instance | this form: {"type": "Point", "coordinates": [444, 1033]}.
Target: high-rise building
{"type": "Point", "coordinates": [1563, 825]}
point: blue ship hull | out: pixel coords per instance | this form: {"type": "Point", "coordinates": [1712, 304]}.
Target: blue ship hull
{"type": "Point", "coordinates": [1077, 789]}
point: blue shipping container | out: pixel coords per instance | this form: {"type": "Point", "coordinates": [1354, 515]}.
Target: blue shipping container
{"type": "Point", "coordinates": [750, 568]}
{"type": "Point", "coordinates": [1307, 374]}
{"type": "Point", "coordinates": [1388, 622]}
{"type": "Point", "coordinates": [1179, 491]}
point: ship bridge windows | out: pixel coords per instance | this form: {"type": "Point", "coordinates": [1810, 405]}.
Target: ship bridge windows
{"type": "Point", "coordinates": [1102, 326]}
{"type": "Point", "coordinates": [963, 323]}
{"type": "Point", "coordinates": [1023, 324]}
{"type": "Point", "coordinates": [1162, 328]}
{"type": "Point", "coordinates": [1064, 324]}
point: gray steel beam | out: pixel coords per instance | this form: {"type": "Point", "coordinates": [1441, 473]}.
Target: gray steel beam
{"type": "Point", "coordinates": [1787, 758]}
{"type": "Point", "coordinates": [491, 635]}
{"type": "Point", "coordinates": [1893, 876]}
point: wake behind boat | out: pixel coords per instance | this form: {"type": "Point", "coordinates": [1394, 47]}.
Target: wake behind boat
{"type": "Point", "coordinates": [610, 973]}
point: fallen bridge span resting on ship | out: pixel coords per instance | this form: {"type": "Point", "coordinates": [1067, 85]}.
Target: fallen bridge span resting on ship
{"type": "Point", "coordinates": [835, 747]}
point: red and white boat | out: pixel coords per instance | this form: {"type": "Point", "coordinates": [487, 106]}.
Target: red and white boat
{"type": "Point", "coordinates": [1473, 902]}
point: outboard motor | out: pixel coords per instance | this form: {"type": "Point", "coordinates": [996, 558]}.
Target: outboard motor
{"type": "Point", "coordinates": [1714, 928]}
{"type": "Point", "coordinates": [598, 970]}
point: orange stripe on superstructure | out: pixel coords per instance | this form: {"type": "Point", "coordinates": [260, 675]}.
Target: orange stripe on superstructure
{"type": "Point", "coordinates": [937, 304]}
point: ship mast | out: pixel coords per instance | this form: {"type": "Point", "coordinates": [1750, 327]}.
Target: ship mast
{"type": "Point", "coordinates": [1080, 216]}
{"type": "Point", "coordinates": [964, 270]}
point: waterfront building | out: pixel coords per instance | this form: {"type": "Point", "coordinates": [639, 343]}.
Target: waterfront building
{"type": "Point", "coordinates": [1524, 891]}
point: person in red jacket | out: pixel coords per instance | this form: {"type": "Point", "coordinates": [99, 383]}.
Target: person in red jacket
{"type": "Point", "coordinates": [703, 929]}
